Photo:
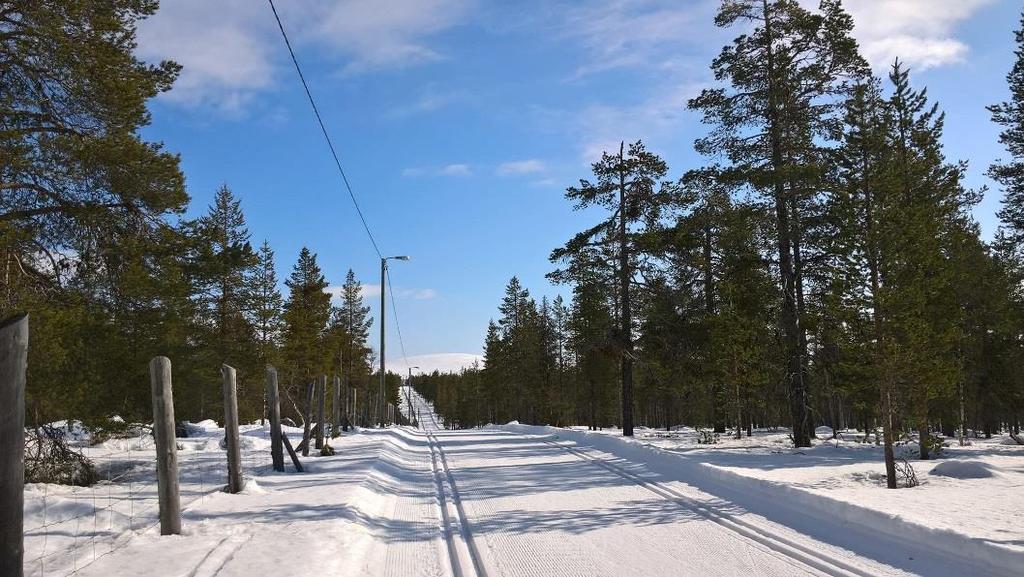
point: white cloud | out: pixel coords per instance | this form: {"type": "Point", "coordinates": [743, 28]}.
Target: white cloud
{"type": "Point", "coordinates": [223, 48]}
{"type": "Point", "coordinates": [232, 50]}
{"type": "Point", "coordinates": [444, 362]}
{"type": "Point", "coordinates": [529, 166]}
{"type": "Point", "coordinates": [919, 32]}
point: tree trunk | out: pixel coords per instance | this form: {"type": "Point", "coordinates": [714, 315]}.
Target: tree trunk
{"type": "Point", "coordinates": [626, 324]}
{"type": "Point", "coordinates": [789, 315]}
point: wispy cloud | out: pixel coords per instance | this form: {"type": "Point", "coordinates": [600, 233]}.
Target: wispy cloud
{"type": "Point", "coordinates": [517, 167]}
{"type": "Point", "coordinates": [431, 98]}
{"type": "Point", "coordinates": [231, 49]}
{"type": "Point", "coordinates": [603, 126]}
{"type": "Point", "coordinates": [458, 169]}
{"type": "Point", "coordinates": [636, 33]}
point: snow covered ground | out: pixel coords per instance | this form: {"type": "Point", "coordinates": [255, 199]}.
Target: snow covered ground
{"type": "Point", "coordinates": [529, 501]}
{"type": "Point", "coordinates": [969, 495]}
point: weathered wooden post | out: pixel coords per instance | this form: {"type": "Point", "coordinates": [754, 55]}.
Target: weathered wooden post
{"type": "Point", "coordinates": [274, 408]}
{"type": "Point", "coordinates": [13, 362]}
{"type": "Point", "coordinates": [321, 394]}
{"type": "Point", "coordinates": [231, 430]}
{"type": "Point", "coordinates": [336, 407]}
{"type": "Point", "coordinates": [309, 417]}
{"type": "Point", "coordinates": [166, 446]}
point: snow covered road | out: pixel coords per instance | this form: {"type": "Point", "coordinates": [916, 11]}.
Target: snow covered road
{"type": "Point", "coordinates": [503, 502]}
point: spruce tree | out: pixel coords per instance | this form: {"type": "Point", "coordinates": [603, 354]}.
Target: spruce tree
{"type": "Point", "coordinates": [306, 312]}
{"type": "Point", "coordinates": [349, 334]}
{"type": "Point", "coordinates": [928, 204]}
{"type": "Point", "coordinates": [266, 305]}
{"type": "Point", "coordinates": [224, 264]}
{"type": "Point", "coordinates": [1009, 173]}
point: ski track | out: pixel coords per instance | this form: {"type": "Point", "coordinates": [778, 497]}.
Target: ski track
{"type": "Point", "coordinates": [549, 547]}
{"type": "Point", "coordinates": [488, 502]}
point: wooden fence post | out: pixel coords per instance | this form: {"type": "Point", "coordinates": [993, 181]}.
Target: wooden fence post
{"type": "Point", "coordinates": [309, 417]}
{"type": "Point", "coordinates": [321, 394]}
{"type": "Point", "coordinates": [13, 362]}
{"type": "Point", "coordinates": [166, 446]}
{"type": "Point", "coordinates": [336, 407]}
{"type": "Point", "coordinates": [231, 430]}
{"type": "Point", "coordinates": [274, 408]}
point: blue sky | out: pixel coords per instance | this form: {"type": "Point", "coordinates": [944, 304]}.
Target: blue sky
{"type": "Point", "coordinates": [461, 122]}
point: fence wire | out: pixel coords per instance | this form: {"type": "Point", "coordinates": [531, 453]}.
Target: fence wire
{"type": "Point", "coordinates": [68, 528]}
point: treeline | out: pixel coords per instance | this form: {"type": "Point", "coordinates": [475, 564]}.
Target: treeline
{"type": "Point", "coordinates": [94, 244]}
{"type": "Point", "coordinates": [823, 267]}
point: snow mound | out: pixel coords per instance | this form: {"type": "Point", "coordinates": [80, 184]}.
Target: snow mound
{"type": "Point", "coordinates": [251, 487]}
{"type": "Point", "coordinates": [1008, 440]}
{"type": "Point", "coordinates": [964, 470]}
{"type": "Point", "coordinates": [823, 431]}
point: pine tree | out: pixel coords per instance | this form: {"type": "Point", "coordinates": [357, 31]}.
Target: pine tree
{"type": "Point", "coordinates": [87, 243]}
{"type": "Point", "coordinates": [629, 187]}
{"type": "Point", "coordinates": [75, 176]}
{"type": "Point", "coordinates": [786, 79]}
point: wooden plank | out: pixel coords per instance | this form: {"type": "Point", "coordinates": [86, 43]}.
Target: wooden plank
{"type": "Point", "coordinates": [291, 452]}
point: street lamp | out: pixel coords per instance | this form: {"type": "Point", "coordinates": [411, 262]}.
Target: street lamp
{"type": "Point", "coordinates": [383, 375]}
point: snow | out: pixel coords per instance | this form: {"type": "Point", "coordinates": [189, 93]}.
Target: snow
{"type": "Point", "coordinates": [845, 479]}
{"type": "Point", "coordinates": [964, 470]}
{"type": "Point", "coordinates": [517, 500]}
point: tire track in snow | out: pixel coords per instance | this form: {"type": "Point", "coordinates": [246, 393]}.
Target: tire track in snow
{"type": "Point", "coordinates": [789, 548]}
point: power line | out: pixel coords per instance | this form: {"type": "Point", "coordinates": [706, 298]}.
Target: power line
{"type": "Point", "coordinates": [394, 308]}
{"type": "Point", "coordinates": [323, 129]}
{"type": "Point", "coordinates": [341, 170]}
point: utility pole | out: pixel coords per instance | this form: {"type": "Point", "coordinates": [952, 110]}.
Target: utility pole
{"type": "Point", "coordinates": [381, 408]}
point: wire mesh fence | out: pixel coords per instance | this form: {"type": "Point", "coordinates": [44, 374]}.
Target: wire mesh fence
{"type": "Point", "coordinates": [68, 528]}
